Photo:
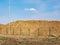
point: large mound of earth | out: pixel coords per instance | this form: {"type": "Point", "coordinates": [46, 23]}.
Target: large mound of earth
{"type": "Point", "coordinates": [32, 28]}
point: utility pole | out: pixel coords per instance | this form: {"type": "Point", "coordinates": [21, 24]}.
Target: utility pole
{"type": "Point", "coordinates": [28, 32]}
{"type": "Point", "coordinates": [0, 30]}
{"type": "Point", "coordinates": [9, 18]}
{"type": "Point", "coordinates": [38, 32]}
{"type": "Point", "coordinates": [20, 30]}
{"type": "Point", "coordinates": [13, 31]}
{"type": "Point", "coordinates": [49, 31]}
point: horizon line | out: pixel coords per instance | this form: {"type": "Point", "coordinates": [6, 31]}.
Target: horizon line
{"type": "Point", "coordinates": [29, 20]}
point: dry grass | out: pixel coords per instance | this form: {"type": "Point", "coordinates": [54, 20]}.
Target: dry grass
{"type": "Point", "coordinates": [30, 41]}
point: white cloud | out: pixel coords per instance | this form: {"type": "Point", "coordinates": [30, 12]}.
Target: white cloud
{"type": "Point", "coordinates": [30, 9]}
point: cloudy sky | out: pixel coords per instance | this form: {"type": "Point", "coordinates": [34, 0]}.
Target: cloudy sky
{"type": "Point", "coordinates": [12, 10]}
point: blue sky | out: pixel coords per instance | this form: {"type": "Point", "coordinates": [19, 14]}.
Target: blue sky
{"type": "Point", "coordinates": [29, 10]}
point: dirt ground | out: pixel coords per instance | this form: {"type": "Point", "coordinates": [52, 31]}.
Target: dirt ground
{"type": "Point", "coordinates": [29, 41]}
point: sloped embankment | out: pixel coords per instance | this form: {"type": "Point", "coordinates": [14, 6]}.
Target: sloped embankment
{"type": "Point", "coordinates": [32, 28]}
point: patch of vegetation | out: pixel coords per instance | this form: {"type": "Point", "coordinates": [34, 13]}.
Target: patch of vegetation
{"type": "Point", "coordinates": [41, 41]}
